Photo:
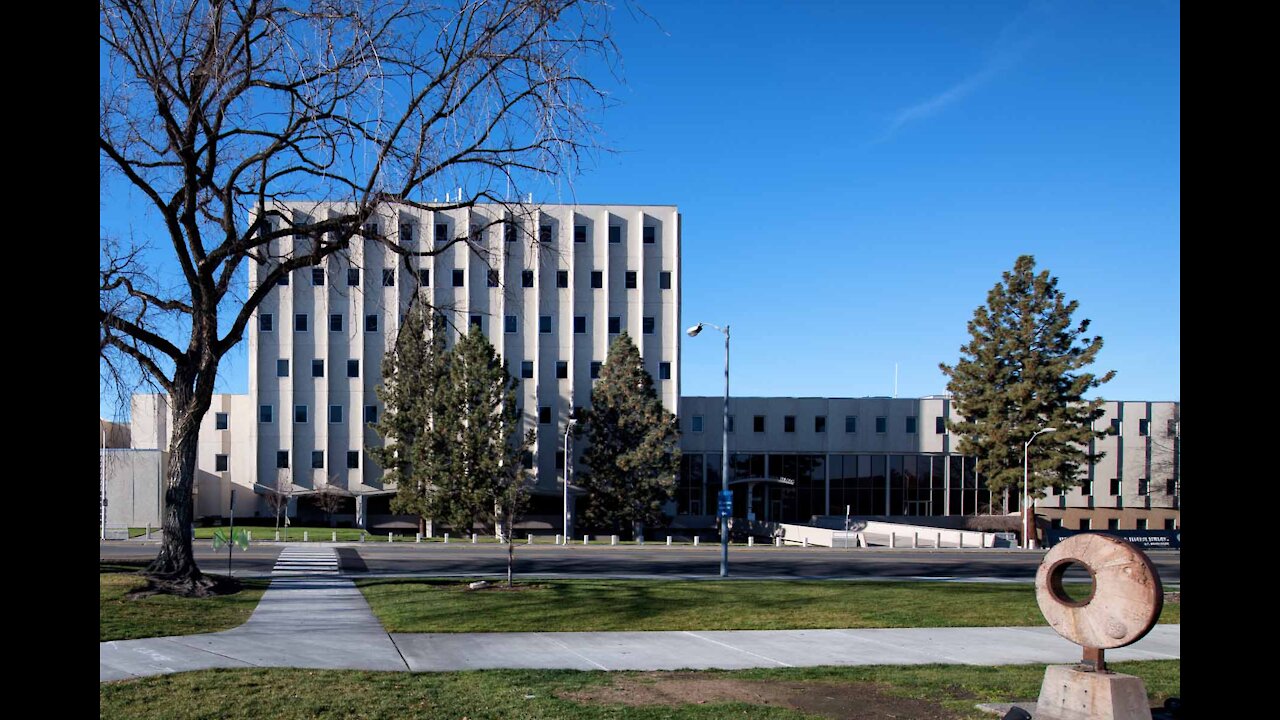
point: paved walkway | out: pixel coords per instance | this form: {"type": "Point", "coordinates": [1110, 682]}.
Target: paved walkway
{"type": "Point", "coordinates": [322, 621]}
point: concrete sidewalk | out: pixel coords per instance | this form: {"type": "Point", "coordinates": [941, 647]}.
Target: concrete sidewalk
{"type": "Point", "coordinates": [325, 622]}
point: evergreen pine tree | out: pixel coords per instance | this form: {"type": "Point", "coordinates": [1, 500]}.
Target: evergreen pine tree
{"type": "Point", "coordinates": [634, 450]}
{"type": "Point", "coordinates": [414, 398]}
{"type": "Point", "coordinates": [1021, 373]}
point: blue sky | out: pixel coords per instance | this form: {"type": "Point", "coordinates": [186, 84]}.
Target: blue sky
{"type": "Point", "coordinates": [854, 177]}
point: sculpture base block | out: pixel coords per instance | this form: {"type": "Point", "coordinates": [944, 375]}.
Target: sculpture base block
{"type": "Point", "coordinates": [1069, 693]}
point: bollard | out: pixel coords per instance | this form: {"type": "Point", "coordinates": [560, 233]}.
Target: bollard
{"type": "Point", "coordinates": [893, 539]}
{"type": "Point", "coordinates": [417, 537]}
{"type": "Point", "coordinates": [640, 540]}
{"type": "Point", "coordinates": [306, 536]}
{"type": "Point", "coordinates": [862, 540]}
{"type": "Point", "coordinates": [751, 541]}
{"type": "Point", "coordinates": [248, 535]}
{"type": "Point", "coordinates": [695, 541]}
{"type": "Point", "coordinates": [530, 538]}
{"type": "Point", "coordinates": [613, 539]}
{"type": "Point", "coordinates": [668, 539]}
{"type": "Point", "coordinates": [585, 538]}
{"type": "Point", "coordinates": [446, 538]}
{"type": "Point", "coordinates": [333, 536]}
{"type": "Point", "coordinates": [277, 536]}
{"type": "Point", "coordinates": [473, 538]}
{"type": "Point", "coordinates": [559, 539]}
{"type": "Point", "coordinates": [805, 541]}
{"type": "Point", "coordinates": [148, 531]}
{"type": "Point", "coordinates": [962, 539]}
{"type": "Point", "coordinates": [388, 537]}
{"type": "Point", "coordinates": [777, 542]}
{"type": "Point", "coordinates": [915, 540]}
{"type": "Point", "coordinates": [361, 536]}
{"type": "Point", "coordinates": [937, 541]}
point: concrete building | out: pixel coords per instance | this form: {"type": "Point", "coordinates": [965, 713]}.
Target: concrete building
{"type": "Point", "coordinates": [793, 459]}
{"type": "Point", "coordinates": [551, 287]}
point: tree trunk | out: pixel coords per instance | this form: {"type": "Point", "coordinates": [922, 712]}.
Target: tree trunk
{"type": "Point", "coordinates": [174, 569]}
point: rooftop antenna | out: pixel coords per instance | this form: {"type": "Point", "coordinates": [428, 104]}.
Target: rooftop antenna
{"type": "Point", "coordinates": [895, 380]}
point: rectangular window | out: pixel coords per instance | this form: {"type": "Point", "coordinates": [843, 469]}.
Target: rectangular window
{"type": "Point", "coordinates": [631, 279]}
{"type": "Point", "coordinates": [300, 322]}
{"type": "Point", "coordinates": [544, 415]}
{"type": "Point", "coordinates": [562, 278]}
{"type": "Point", "coordinates": [526, 278]}
{"type": "Point", "coordinates": [406, 233]}
{"type": "Point", "coordinates": [882, 424]}
{"type": "Point", "coordinates": [283, 279]}
{"type": "Point", "coordinates": [1144, 427]}
{"type": "Point", "coordinates": [731, 423]}
{"type": "Point", "coordinates": [317, 458]}
{"type": "Point", "coordinates": [282, 458]}
{"type": "Point", "coordinates": [851, 423]}
{"type": "Point", "coordinates": [335, 413]}
{"type": "Point", "coordinates": [562, 369]}
{"type": "Point", "coordinates": [1086, 487]}
{"type": "Point", "coordinates": [579, 233]}
{"type": "Point", "coordinates": [820, 423]}
{"type": "Point", "coordinates": [1115, 427]}
{"type": "Point", "coordinates": [664, 371]}
{"type": "Point", "coordinates": [758, 423]}
{"type": "Point", "coordinates": [697, 424]}
{"type": "Point", "coordinates": [353, 277]}
{"type": "Point", "coordinates": [317, 368]}
{"type": "Point", "coordinates": [265, 322]}
{"type": "Point", "coordinates": [615, 233]}
{"type": "Point", "coordinates": [353, 368]}
{"type": "Point", "coordinates": [597, 279]}
{"type": "Point", "coordinates": [335, 323]}
{"type": "Point", "coordinates": [477, 322]}
{"type": "Point", "coordinates": [1085, 524]}
{"type": "Point", "coordinates": [664, 280]}
{"type": "Point", "coordinates": [544, 235]}
{"type": "Point", "coordinates": [544, 324]}
{"type": "Point", "coordinates": [371, 230]}
{"type": "Point", "coordinates": [940, 425]}
{"type": "Point", "coordinates": [317, 276]}
{"type": "Point", "coordinates": [1171, 428]}
{"type": "Point", "coordinates": [1170, 487]}
{"type": "Point", "coordinates": [789, 423]}
{"type": "Point", "coordinates": [650, 234]}
{"type": "Point", "coordinates": [299, 413]}
{"type": "Point", "coordinates": [1144, 487]}
{"type": "Point", "coordinates": [388, 277]}
{"type": "Point", "coordinates": [1142, 524]}
{"type": "Point", "coordinates": [647, 325]}
{"type": "Point", "coordinates": [282, 368]}
{"type": "Point", "coordinates": [1056, 523]}
{"type": "Point", "coordinates": [526, 459]}
{"type": "Point", "coordinates": [353, 459]}
{"type": "Point", "coordinates": [526, 369]}
{"type": "Point", "coordinates": [1168, 524]}
{"type": "Point", "coordinates": [371, 413]}
{"type": "Point", "coordinates": [459, 277]}
{"type": "Point", "coordinates": [1113, 523]}
{"type": "Point", "coordinates": [219, 463]}
{"type": "Point", "coordinates": [424, 277]}
{"type": "Point", "coordinates": [264, 413]}
{"type": "Point", "coordinates": [220, 421]}
{"type": "Point", "coordinates": [509, 324]}
{"type": "Point", "coordinates": [559, 459]}
{"type": "Point", "coordinates": [579, 324]}
{"type": "Point", "coordinates": [371, 323]}
{"type": "Point", "coordinates": [911, 424]}
{"type": "Point", "coordinates": [615, 324]}
{"type": "Point", "coordinates": [595, 371]}
{"type": "Point", "coordinates": [509, 231]}
{"type": "Point", "coordinates": [1115, 486]}
{"type": "Point", "coordinates": [442, 233]}
{"type": "Point", "coordinates": [493, 278]}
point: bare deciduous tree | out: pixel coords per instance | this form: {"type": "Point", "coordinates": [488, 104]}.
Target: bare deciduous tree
{"type": "Point", "coordinates": [222, 115]}
{"type": "Point", "coordinates": [330, 498]}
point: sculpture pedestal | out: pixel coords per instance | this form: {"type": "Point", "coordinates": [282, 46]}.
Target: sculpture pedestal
{"type": "Point", "coordinates": [1069, 693]}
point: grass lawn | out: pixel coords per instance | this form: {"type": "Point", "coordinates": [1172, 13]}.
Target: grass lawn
{"type": "Point", "coordinates": [924, 692]}
{"type": "Point", "coordinates": [440, 605]}
{"type": "Point", "coordinates": [159, 615]}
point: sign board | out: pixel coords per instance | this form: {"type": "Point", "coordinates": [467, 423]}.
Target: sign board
{"type": "Point", "coordinates": [726, 503]}
{"type": "Point", "coordinates": [1145, 539]}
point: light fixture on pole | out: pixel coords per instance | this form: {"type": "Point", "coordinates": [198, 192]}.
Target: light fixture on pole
{"type": "Point", "coordinates": [1026, 517]}
{"type": "Point", "coordinates": [725, 498]}
{"type": "Point", "coordinates": [567, 428]}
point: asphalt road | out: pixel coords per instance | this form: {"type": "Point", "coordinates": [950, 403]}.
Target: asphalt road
{"type": "Point", "coordinates": [656, 560]}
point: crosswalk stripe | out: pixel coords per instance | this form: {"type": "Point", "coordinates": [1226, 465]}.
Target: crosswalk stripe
{"type": "Point", "coordinates": [306, 561]}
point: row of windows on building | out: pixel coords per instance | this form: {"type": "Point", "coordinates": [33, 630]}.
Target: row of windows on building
{"type": "Point", "coordinates": [493, 278]}
{"type": "Point", "coordinates": [510, 323]}
{"type": "Point", "coordinates": [1116, 487]}
{"type": "Point", "coordinates": [526, 369]}
{"type": "Point", "coordinates": [302, 414]}
{"type": "Point", "coordinates": [758, 424]}
{"type": "Point", "coordinates": [1144, 427]}
{"type": "Point", "coordinates": [1114, 524]}
{"type": "Point", "coordinates": [546, 233]}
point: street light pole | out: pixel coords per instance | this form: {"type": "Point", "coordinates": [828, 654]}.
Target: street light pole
{"type": "Point", "coordinates": [567, 429]}
{"type": "Point", "coordinates": [724, 449]}
{"type": "Point", "coordinates": [1026, 517]}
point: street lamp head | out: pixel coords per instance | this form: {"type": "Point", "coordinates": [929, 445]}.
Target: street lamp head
{"type": "Point", "coordinates": [693, 331]}
{"type": "Point", "coordinates": [1049, 430]}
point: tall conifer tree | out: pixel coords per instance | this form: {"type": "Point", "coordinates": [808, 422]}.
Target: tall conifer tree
{"type": "Point", "coordinates": [1022, 372]}
{"type": "Point", "coordinates": [634, 450]}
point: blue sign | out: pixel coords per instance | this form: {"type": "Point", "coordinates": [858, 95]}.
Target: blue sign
{"type": "Point", "coordinates": [1145, 539]}
{"type": "Point", "coordinates": [726, 503]}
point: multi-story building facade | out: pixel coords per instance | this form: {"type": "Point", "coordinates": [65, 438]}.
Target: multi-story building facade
{"type": "Point", "coordinates": [551, 287]}
{"type": "Point", "coordinates": [793, 459]}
